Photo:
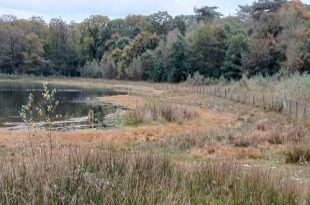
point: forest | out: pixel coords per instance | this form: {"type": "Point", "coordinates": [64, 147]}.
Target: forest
{"type": "Point", "coordinates": [267, 37]}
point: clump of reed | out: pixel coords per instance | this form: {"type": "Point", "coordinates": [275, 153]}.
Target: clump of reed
{"type": "Point", "coordinates": [157, 110]}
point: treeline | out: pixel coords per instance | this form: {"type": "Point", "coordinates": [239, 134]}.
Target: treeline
{"type": "Point", "coordinates": [266, 37]}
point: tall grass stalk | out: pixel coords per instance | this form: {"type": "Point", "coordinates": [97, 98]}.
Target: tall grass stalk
{"type": "Point", "coordinates": [109, 177]}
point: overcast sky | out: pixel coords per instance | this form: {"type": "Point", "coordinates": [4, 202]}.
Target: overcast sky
{"type": "Point", "coordinates": [80, 9]}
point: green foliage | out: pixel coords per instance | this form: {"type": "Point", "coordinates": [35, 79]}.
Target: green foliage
{"type": "Point", "coordinates": [237, 46]}
{"type": "Point", "coordinates": [109, 68]}
{"type": "Point", "coordinates": [91, 37]}
{"type": "Point", "coordinates": [47, 108]}
{"type": "Point", "coordinates": [139, 45]}
{"type": "Point", "coordinates": [160, 23]}
{"type": "Point", "coordinates": [147, 60]}
{"type": "Point", "coordinates": [179, 60]}
{"type": "Point", "coordinates": [58, 49]}
{"type": "Point", "coordinates": [263, 38]}
{"type": "Point", "coordinates": [135, 70]}
{"type": "Point", "coordinates": [43, 111]}
{"type": "Point", "coordinates": [207, 14]}
{"type": "Point", "coordinates": [91, 69]}
{"type": "Point", "coordinates": [196, 79]}
{"type": "Point", "coordinates": [263, 56]}
{"type": "Point", "coordinates": [180, 24]}
{"type": "Point", "coordinates": [26, 112]}
{"type": "Point", "coordinates": [158, 73]}
{"type": "Point", "coordinates": [262, 7]}
{"type": "Point", "coordinates": [169, 61]}
{"type": "Point", "coordinates": [208, 46]}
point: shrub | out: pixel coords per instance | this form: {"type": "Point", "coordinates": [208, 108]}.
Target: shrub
{"type": "Point", "coordinates": [135, 70]}
{"type": "Point", "coordinates": [298, 134]}
{"type": "Point", "coordinates": [275, 137]}
{"type": "Point", "coordinates": [196, 79]}
{"type": "Point", "coordinates": [298, 153]}
{"type": "Point", "coordinates": [156, 110]}
{"type": "Point", "coordinates": [189, 139]}
{"type": "Point", "coordinates": [91, 69]}
{"type": "Point", "coordinates": [244, 141]}
{"type": "Point", "coordinates": [109, 68]}
{"type": "Point", "coordinates": [43, 113]}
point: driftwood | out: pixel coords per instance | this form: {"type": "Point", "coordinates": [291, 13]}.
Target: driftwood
{"type": "Point", "coordinates": [70, 124]}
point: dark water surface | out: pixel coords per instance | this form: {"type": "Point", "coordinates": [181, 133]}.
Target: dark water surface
{"type": "Point", "coordinates": [74, 102]}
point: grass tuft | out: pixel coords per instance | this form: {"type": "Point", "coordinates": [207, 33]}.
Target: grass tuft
{"type": "Point", "coordinates": [298, 153]}
{"type": "Point", "coordinates": [159, 111]}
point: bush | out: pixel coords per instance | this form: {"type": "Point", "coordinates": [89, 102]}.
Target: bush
{"type": "Point", "coordinates": [298, 153]}
{"type": "Point", "coordinates": [244, 142]}
{"type": "Point", "coordinates": [188, 140]}
{"type": "Point", "coordinates": [109, 68]}
{"type": "Point", "coordinates": [91, 69]}
{"type": "Point", "coordinates": [298, 134]}
{"type": "Point", "coordinates": [155, 110]}
{"type": "Point", "coordinates": [135, 70]}
{"type": "Point", "coordinates": [275, 137]}
{"type": "Point", "coordinates": [196, 79]}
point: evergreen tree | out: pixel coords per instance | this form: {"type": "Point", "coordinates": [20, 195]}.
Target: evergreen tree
{"type": "Point", "coordinates": [179, 60]}
{"type": "Point", "coordinates": [237, 45]}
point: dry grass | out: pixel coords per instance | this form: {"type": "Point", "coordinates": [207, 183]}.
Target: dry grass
{"type": "Point", "coordinates": [295, 86]}
{"type": "Point", "coordinates": [123, 100]}
{"type": "Point", "coordinates": [298, 148]}
{"type": "Point", "coordinates": [298, 134]}
{"type": "Point", "coordinates": [298, 153]}
{"type": "Point", "coordinates": [136, 176]}
{"type": "Point", "coordinates": [159, 111]}
{"type": "Point", "coordinates": [190, 139]}
{"type": "Point", "coordinates": [75, 176]}
{"type": "Point", "coordinates": [253, 138]}
{"type": "Point", "coordinates": [274, 135]}
{"type": "Point", "coordinates": [245, 141]}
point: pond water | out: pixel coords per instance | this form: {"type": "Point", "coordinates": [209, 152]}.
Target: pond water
{"type": "Point", "coordinates": [74, 102]}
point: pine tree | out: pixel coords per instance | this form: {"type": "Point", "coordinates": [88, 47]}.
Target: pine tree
{"type": "Point", "coordinates": [179, 60]}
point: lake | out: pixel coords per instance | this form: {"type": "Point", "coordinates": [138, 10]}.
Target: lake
{"type": "Point", "coordinates": [74, 102]}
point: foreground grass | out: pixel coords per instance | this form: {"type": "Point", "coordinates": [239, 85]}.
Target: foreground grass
{"type": "Point", "coordinates": [75, 176]}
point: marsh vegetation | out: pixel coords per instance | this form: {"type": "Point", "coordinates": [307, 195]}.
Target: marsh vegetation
{"type": "Point", "coordinates": [157, 109]}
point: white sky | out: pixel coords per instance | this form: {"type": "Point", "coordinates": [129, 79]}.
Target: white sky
{"type": "Point", "coordinates": [80, 9]}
